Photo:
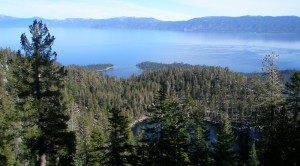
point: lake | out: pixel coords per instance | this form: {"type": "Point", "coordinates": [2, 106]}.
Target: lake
{"type": "Point", "coordinates": [241, 52]}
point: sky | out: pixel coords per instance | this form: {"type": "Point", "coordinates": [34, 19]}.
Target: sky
{"type": "Point", "coordinates": [170, 10]}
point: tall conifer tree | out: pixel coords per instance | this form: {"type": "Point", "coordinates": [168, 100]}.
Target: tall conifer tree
{"type": "Point", "coordinates": [293, 104]}
{"type": "Point", "coordinates": [41, 95]}
{"type": "Point", "coordinates": [95, 149]}
{"type": "Point", "coordinates": [176, 134]}
{"type": "Point", "coordinates": [223, 147]}
{"type": "Point", "coordinates": [271, 110]}
{"type": "Point", "coordinates": [119, 148]}
{"type": "Point", "coordinates": [9, 128]}
{"type": "Point", "coordinates": [167, 132]}
{"type": "Point", "coordinates": [253, 160]}
{"type": "Point", "coordinates": [155, 133]}
{"type": "Point", "coordinates": [199, 150]}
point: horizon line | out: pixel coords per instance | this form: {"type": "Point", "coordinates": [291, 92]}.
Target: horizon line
{"type": "Point", "coordinates": [37, 17]}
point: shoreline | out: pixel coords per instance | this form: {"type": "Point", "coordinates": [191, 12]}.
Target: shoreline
{"type": "Point", "coordinates": [107, 68]}
{"type": "Point", "coordinates": [140, 119]}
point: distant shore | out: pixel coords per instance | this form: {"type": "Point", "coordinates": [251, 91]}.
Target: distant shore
{"type": "Point", "coordinates": [107, 68]}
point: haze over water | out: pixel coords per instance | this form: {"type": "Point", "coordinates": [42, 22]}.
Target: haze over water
{"type": "Point", "coordinates": [241, 52]}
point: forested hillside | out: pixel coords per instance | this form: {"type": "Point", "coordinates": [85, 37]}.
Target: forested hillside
{"type": "Point", "coordinates": [55, 115]}
{"type": "Point", "coordinates": [284, 75]}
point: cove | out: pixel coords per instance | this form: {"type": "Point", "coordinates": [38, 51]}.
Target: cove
{"type": "Point", "coordinates": [241, 52]}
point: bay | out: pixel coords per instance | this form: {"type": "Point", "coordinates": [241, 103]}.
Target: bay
{"type": "Point", "coordinates": [241, 52]}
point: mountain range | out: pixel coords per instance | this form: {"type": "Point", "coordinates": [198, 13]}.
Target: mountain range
{"type": "Point", "coordinates": [257, 24]}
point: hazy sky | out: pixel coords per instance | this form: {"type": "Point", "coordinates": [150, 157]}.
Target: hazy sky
{"type": "Point", "coordinates": [160, 9]}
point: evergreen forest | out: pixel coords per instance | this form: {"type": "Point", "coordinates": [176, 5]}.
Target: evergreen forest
{"type": "Point", "coordinates": [52, 114]}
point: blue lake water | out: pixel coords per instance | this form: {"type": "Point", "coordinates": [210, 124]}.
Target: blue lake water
{"type": "Point", "coordinates": [241, 52]}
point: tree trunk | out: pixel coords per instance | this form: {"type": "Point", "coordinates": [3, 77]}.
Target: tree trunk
{"type": "Point", "coordinates": [42, 160]}
{"type": "Point", "coordinates": [24, 163]}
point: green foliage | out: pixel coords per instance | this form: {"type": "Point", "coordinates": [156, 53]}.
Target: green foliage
{"type": "Point", "coordinates": [293, 97]}
{"type": "Point", "coordinates": [42, 103]}
{"type": "Point", "coordinates": [155, 136]}
{"type": "Point", "coordinates": [96, 147]}
{"type": "Point", "coordinates": [223, 146]}
{"type": "Point", "coordinates": [273, 93]}
{"type": "Point", "coordinates": [9, 126]}
{"type": "Point", "coordinates": [174, 134]}
{"type": "Point", "coordinates": [43, 108]}
{"type": "Point", "coordinates": [198, 148]}
{"type": "Point", "coordinates": [77, 161]}
{"type": "Point", "coordinates": [142, 149]}
{"type": "Point", "coordinates": [89, 95]}
{"type": "Point", "coordinates": [176, 137]}
{"type": "Point", "coordinates": [119, 148]}
{"type": "Point", "coordinates": [152, 66]}
{"type": "Point", "coordinates": [217, 89]}
{"type": "Point", "coordinates": [293, 105]}
{"type": "Point", "coordinates": [244, 141]}
{"type": "Point", "coordinates": [273, 117]}
{"type": "Point", "coordinates": [253, 159]}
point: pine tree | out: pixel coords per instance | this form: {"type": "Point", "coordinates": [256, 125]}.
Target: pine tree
{"type": "Point", "coordinates": [8, 130]}
{"type": "Point", "coordinates": [293, 97]}
{"type": "Point", "coordinates": [199, 150]}
{"type": "Point", "coordinates": [224, 154]}
{"type": "Point", "coordinates": [244, 141]}
{"type": "Point", "coordinates": [273, 93]}
{"type": "Point", "coordinates": [83, 135]}
{"type": "Point", "coordinates": [119, 148]}
{"type": "Point", "coordinates": [41, 98]}
{"type": "Point", "coordinates": [293, 105]}
{"type": "Point", "coordinates": [199, 135]}
{"type": "Point", "coordinates": [281, 140]}
{"type": "Point", "coordinates": [143, 156]}
{"type": "Point", "coordinates": [155, 130]}
{"type": "Point", "coordinates": [166, 133]}
{"type": "Point", "coordinates": [95, 148]}
{"type": "Point", "coordinates": [9, 126]}
{"type": "Point", "coordinates": [272, 98]}
{"type": "Point", "coordinates": [271, 108]}
{"type": "Point", "coordinates": [253, 160]}
{"type": "Point", "coordinates": [176, 135]}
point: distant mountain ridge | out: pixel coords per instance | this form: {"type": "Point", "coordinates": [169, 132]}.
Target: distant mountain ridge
{"type": "Point", "coordinates": [258, 24]}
